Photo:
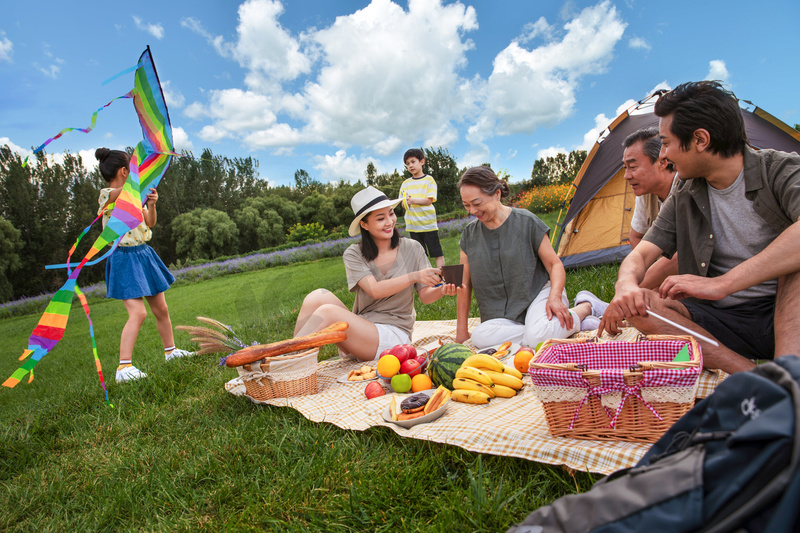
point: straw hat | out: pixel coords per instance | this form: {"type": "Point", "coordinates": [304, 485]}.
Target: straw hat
{"type": "Point", "coordinates": [365, 201]}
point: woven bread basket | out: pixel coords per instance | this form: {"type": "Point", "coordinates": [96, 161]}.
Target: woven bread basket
{"type": "Point", "coordinates": [281, 376]}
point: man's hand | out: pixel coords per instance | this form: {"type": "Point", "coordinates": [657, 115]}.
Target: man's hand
{"type": "Point", "coordinates": [555, 308]}
{"type": "Point", "coordinates": [686, 285]}
{"type": "Point", "coordinates": [629, 300]}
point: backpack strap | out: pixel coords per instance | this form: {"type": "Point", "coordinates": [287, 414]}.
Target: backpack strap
{"type": "Point", "coordinates": [727, 520]}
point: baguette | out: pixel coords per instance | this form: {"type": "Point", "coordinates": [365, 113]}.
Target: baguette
{"type": "Point", "coordinates": [333, 334]}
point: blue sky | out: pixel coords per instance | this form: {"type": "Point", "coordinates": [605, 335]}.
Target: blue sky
{"type": "Point", "coordinates": [328, 86]}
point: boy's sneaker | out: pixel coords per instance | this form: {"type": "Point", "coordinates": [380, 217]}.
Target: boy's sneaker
{"type": "Point", "coordinates": [177, 352]}
{"type": "Point", "coordinates": [598, 306]}
{"type": "Point", "coordinates": [129, 373]}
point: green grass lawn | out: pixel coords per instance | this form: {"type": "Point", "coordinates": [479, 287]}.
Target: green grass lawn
{"type": "Point", "coordinates": [177, 452]}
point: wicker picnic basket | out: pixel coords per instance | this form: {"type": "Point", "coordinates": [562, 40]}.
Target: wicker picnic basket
{"type": "Point", "coordinates": [631, 391]}
{"type": "Point", "coordinates": [282, 376]}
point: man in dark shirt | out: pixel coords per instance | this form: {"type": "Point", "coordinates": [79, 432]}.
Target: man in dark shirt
{"type": "Point", "coordinates": [733, 220]}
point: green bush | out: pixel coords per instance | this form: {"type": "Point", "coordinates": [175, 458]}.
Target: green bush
{"type": "Point", "coordinates": [303, 232]}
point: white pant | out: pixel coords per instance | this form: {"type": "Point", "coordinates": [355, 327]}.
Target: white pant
{"type": "Point", "coordinates": [535, 329]}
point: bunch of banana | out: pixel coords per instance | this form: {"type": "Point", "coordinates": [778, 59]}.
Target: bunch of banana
{"type": "Point", "coordinates": [482, 377]}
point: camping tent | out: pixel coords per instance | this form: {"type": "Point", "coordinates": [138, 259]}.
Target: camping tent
{"type": "Point", "coordinates": [596, 226]}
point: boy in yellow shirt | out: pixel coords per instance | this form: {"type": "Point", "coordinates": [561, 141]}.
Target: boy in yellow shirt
{"type": "Point", "coordinates": [418, 193]}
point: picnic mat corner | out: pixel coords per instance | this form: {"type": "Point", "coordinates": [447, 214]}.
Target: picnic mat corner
{"type": "Point", "coordinates": [511, 427]}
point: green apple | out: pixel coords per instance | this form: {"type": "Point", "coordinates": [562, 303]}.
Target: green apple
{"type": "Point", "coordinates": [401, 383]}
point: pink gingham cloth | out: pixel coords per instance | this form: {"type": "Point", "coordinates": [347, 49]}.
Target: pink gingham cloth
{"type": "Point", "coordinates": [613, 359]}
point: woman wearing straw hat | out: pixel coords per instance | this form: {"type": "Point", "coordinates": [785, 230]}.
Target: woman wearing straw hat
{"type": "Point", "coordinates": [383, 270]}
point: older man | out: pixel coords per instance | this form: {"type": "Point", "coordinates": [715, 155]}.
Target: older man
{"type": "Point", "coordinates": [652, 178]}
{"type": "Point", "coordinates": [734, 221]}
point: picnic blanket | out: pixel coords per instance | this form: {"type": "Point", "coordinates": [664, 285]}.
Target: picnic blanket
{"type": "Point", "coordinates": [511, 427]}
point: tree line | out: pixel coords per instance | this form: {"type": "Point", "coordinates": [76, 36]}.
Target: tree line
{"type": "Point", "coordinates": [209, 207]}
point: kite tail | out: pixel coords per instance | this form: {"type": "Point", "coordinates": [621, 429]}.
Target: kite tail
{"type": "Point", "coordinates": [85, 305]}
{"type": "Point", "coordinates": [69, 265]}
{"type": "Point", "coordinates": [84, 130]}
{"type": "Point", "coordinates": [51, 326]}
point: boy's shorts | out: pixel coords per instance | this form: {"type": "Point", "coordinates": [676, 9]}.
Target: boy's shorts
{"type": "Point", "coordinates": [747, 328]}
{"type": "Point", "coordinates": [429, 240]}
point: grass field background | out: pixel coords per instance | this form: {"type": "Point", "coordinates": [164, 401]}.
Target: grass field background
{"type": "Point", "coordinates": [177, 452]}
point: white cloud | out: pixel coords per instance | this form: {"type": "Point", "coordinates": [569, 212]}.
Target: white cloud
{"type": "Point", "coordinates": [532, 30]}
{"type": "Point", "coordinates": [212, 134]}
{"type": "Point", "coordinates": [384, 78]}
{"type": "Point", "coordinates": [275, 136]}
{"type": "Point", "coordinates": [623, 106]}
{"type": "Point", "coordinates": [6, 49]}
{"type": "Point", "coordinates": [173, 96]}
{"type": "Point", "coordinates": [551, 152]}
{"type": "Point", "coordinates": [88, 159]}
{"type": "Point", "coordinates": [536, 87]}
{"type": "Point", "coordinates": [156, 30]}
{"type": "Point", "coordinates": [342, 166]}
{"type": "Point", "coordinates": [216, 41]}
{"type": "Point", "coordinates": [444, 136]}
{"type": "Point", "coordinates": [57, 158]}
{"type": "Point", "coordinates": [234, 112]}
{"type": "Point", "coordinates": [661, 86]}
{"type": "Point", "coordinates": [50, 71]}
{"type": "Point", "coordinates": [637, 43]}
{"type": "Point", "coordinates": [14, 148]}
{"type": "Point", "coordinates": [264, 46]}
{"type": "Point", "coordinates": [195, 110]}
{"type": "Point", "coordinates": [405, 70]}
{"type": "Point", "coordinates": [374, 98]}
{"type": "Point", "coordinates": [717, 71]}
{"type": "Point", "coordinates": [476, 155]}
{"type": "Point", "coordinates": [180, 139]}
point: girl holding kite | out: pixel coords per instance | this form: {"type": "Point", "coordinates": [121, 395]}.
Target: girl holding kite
{"type": "Point", "coordinates": [134, 271]}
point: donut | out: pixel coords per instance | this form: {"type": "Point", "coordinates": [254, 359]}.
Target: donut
{"type": "Point", "coordinates": [414, 403]}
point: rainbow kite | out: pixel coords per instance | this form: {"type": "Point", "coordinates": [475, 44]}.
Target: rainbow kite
{"type": "Point", "coordinates": [149, 161]}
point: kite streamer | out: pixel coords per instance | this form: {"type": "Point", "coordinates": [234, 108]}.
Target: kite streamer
{"type": "Point", "coordinates": [149, 162]}
{"type": "Point", "coordinates": [84, 130]}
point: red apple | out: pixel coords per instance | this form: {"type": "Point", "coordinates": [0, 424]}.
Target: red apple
{"type": "Point", "coordinates": [412, 350]}
{"type": "Point", "coordinates": [410, 367]}
{"type": "Point", "coordinates": [422, 359]}
{"type": "Point", "coordinates": [387, 351]}
{"type": "Point", "coordinates": [400, 351]}
{"type": "Point", "coordinates": [373, 390]}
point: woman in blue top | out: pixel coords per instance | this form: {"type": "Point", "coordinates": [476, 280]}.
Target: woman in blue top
{"type": "Point", "coordinates": [509, 262]}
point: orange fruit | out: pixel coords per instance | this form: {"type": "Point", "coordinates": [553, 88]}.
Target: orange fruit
{"type": "Point", "coordinates": [388, 366]}
{"type": "Point", "coordinates": [421, 382]}
{"type": "Point", "coordinates": [522, 358]}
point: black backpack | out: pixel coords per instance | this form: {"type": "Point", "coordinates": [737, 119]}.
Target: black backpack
{"type": "Point", "coordinates": [729, 464]}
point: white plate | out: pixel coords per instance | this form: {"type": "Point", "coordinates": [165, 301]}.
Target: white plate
{"type": "Point", "coordinates": [511, 351]}
{"type": "Point", "coordinates": [343, 378]}
{"type": "Point", "coordinates": [430, 417]}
